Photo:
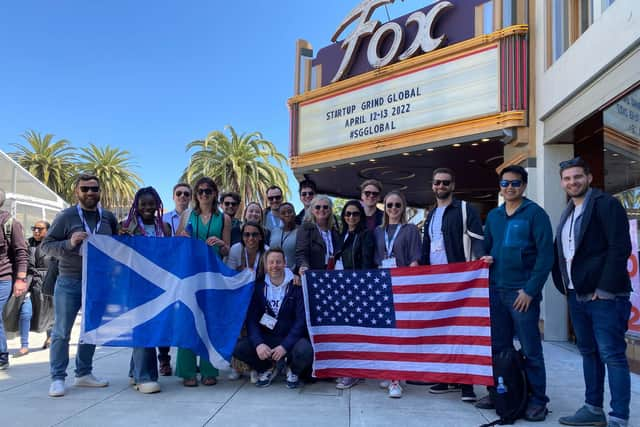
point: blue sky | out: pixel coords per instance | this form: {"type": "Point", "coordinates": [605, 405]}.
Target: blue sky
{"type": "Point", "coordinates": [150, 77]}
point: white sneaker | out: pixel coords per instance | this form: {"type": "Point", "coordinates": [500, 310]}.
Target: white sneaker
{"type": "Point", "coordinates": [395, 390]}
{"type": "Point", "coordinates": [292, 379]}
{"type": "Point", "coordinates": [90, 381]}
{"type": "Point", "coordinates": [253, 376]}
{"type": "Point", "coordinates": [384, 383]}
{"type": "Point", "coordinates": [56, 389]}
{"type": "Point", "coordinates": [234, 375]}
{"type": "Point", "coordinates": [148, 387]}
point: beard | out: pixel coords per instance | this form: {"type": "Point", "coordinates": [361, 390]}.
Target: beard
{"type": "Point", "coordinates": [579, 192]}
{"type": "Point", "coordinates": [443, 195]}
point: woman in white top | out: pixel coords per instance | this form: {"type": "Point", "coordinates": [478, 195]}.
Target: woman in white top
{"type": "Point", "coordinates": [248, 252]}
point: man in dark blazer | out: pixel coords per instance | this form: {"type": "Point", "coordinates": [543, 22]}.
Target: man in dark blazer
{"type": "Point", "coordinates": [591, 251]}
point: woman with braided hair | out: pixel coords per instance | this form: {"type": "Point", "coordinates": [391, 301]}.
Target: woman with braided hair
{"type": "Point", "coordinates": [145, 219]}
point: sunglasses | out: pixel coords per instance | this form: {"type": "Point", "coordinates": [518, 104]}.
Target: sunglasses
{"type": "Point", "coordinates": [274, 198]}
{"type": "Point", "coordinates": [396, 205]}
{"type": "Point", "coordinates": [38, 228]}
{"type": "Point", "coordinates": [253, 234]}
{"type": "Point", "coordinates": [92, 188]}
{"type": "Point", "coordinates": [371, 193]}
{"type": "Point", "coordinates": [307, 193]}
{"type": "Point", "coordinates": [515, 183]}
{"type": "Point", "coordinates": [287, 212]}
{"type": "Point", "coordinates": [207, 191]}
{"type": "Point", "coordinates": [444, 182]}
{"type": "Point", "coordinates": [183, 193]}
{"type": "Point", "coordinates": [348, 214]}
{"type": "Point", "coordinates": [230, 204]}
{"type": "Point", "coordinates": [323, 207]}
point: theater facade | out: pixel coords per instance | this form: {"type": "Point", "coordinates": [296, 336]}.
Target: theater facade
{"type": "Point", "coordinates": [475, 85]}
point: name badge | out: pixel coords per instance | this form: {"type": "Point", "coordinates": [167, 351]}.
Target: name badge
{"type": "Point", "coordinates": [389, 263]}
{"type": "Point", "coordinates": [339, 265]}
{"type": "Point", "coordinates": [268, 321]}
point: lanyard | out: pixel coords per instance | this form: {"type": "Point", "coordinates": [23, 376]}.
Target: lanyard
{"type": "Point", "coordinates": [389, 244]}
{"type": "Point", "coordinates": [255, 262]}
{"type": "Point", "coordinates": [84, 222]}
{"type": "Point", "coordinates": [284, 236]}
{"type": "Point", "coordinates": [326, 236]}
{"type": "Point", "coordinates": [199, 220]}
{"type": "Point", "coordinates": [266, 298]}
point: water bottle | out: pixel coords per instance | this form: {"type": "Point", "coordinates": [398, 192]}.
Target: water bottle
{"type": "Point", "coordinates": [501, 388]}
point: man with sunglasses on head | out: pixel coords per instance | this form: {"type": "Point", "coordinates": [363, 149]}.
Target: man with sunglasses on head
{"type": "Point", "coordinates": [181, 198]}
{"type": "Point", "coordinates": [370, 191]}
{"type": "Point", "coordinates": [591, 252]}
{"type": "Point", "coordinates": [272, 216]}
{"type": "Point", "coordinates": [230, 202]}
{"type": "Point", "coordinates": [307, 191]}
{"type": "Point", "coordinates": [451, 235]}
{"type": "Point", "coordinates": [519, 241]}
{"type": "Point", "coordinates": [63, 241]}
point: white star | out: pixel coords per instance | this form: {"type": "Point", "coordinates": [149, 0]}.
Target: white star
{"type": "Point", "coordinates": [383, 274]}
{"type": "Point", "coordinates": [326, 275]}
{"type": "Point", "coordinates": [326, 313]}
{"type": "Point", "coordinates": [364, 303]}
{"type": "Point", "coordinates": [362, 280]}
{"type": "Point", "coordinates": [366, 315]}
{"type": "Point", "coordinates": [347, 280]}
{"type": "Point", "coordinates": [376, 280]}
{"type": "Point", "coordinates": [344, 309]}
{"type": "Point", "coordinates": [388, 322]}
{"type": "Point", "coordinates": [319, 319]}
{"type": "Point", "coordinates": [380, 315]}
{"type": "Point", "coordinates": [344, 298]}
{"type": "Point", "coordinates": [386, 298]}
{"type": "Point", "coordinates": [370, 286]}
{"type": "Point", "coordinates": [363, 292]}
{"type": "Point", "coordinates": [379, 304]}
{"type": "Point", "coordinates": [373, 309]}
{"type": "Point", "coordinates": [340, 274]}
{"type": "Point", "coordinates": [329, 297]}
{"type": "Point", "coordinates": [352, 315]}
{"type": "Point", "coordinates": [334, 280]}
{"type": "Point", "coordinates": [351, 303]}
{"type": "Point", "coordinates": [322, 291]}
{"type": "Point", "coordinates": [368, 274]}
{"type": "Point", "coordinates": [374, 321]}
{"type": "Point", "coordinates": [359, 320]}
{"type": "Point", "coordinates": [313, 274]}
{"type": "Point", "coordinates": [333, 319]}
{"type": "Point", "coordinates": [358, 309]}
{"type": "Point", "coordinates": [354, 274]}
{"type": "Point", "coordinates": [318, 308]}
{"type": "Point", "coordinates": [377, 291]}
{"type": "Point", "coordinates": [387, 309]}
{"type": "Point", "coordinates": [341, 285]}
{"type": "Point", "coordinates": [371, 298]}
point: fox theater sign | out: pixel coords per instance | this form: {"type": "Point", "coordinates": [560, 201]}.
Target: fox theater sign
{"type": "Point", "coordinates": [442, 86]}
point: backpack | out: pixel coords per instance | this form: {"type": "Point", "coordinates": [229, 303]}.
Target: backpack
{"type": "Point", "coordinates": [7, 230]}
{"type": "Point", "coordinates": [511, 392]}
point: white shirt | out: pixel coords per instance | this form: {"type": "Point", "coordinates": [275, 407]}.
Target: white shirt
{"type": "Point", "coordinates": [173, 219]}
{"type": "Point", "coordinates": [569, 240]}
{"type": "Point", "coordinates": [437, 253]}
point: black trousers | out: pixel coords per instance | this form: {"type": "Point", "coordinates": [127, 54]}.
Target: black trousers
{"type": "Point", "coordinates": [163, 354]}
{"type": "Point", "coordinates": [298, 359]}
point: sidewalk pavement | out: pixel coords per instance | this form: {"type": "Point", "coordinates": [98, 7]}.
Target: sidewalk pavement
{"type": "Point", "coordinates": [24, 401]}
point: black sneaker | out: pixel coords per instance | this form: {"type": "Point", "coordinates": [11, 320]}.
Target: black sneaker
{"type": "Point", "coordinates": [536, 413]}
{"type": "Point", "coordinates": [485, 403]}
{"type": "Point", "coordinates": [468, 395]}
{"type": "Point", "coordinates": [444, 388]}
{"type": "Point", "coordinates": [4, 365]}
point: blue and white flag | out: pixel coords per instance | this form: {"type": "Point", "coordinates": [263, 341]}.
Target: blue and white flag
{"type": "Point", "coordinates": [154, 291]}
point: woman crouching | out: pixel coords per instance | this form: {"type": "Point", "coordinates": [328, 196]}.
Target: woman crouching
{"type": "Point", "coordinates": [276, 326]}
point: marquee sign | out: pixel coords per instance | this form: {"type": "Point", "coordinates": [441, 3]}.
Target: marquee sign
{"type": "Point", "coordinates": [449, 91]}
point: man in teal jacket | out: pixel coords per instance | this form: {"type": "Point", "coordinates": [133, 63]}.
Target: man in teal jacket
{"type": "Point", "coordinates": [519, 241]}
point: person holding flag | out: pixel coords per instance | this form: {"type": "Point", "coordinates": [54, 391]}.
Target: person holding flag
{"type": "Point", "coordinates": [70, 228]}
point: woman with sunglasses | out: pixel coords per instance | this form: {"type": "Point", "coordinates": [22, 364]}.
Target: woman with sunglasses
{"type": "Point", "coordinates": [318, 241]}
{"type": "Point", "coordinates": [204, 222]}
{"type": "Point", "coordinates": [254, 213]}
{"type": "Point", "coordinates": [285, 238]}
{"type": "Point", "coordinates": [397, 245]}
{"type": "Point", "coordinates": [357, 251]}
{"type": "Point", "coordinates": [145, 219]}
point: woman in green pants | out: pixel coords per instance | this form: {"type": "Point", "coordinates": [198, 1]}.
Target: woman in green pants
{"type": "Point", "coordinates": [205, 222]}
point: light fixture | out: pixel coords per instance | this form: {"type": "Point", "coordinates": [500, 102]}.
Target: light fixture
{"type": "Point", "coordinates": [316, 170]}
{"type": "Point", "coordinates": [485, 140]}
{"type": "Point", "coordinates": [457, 145]}
{"type": "Point", "coordinates": [615, 154]}
{"type": "Point", "coordinates": [429, 149]}
{"type": "Point", "coordinates": [352, 163]}
{"type": "Point", "coordinates": [405, 154]}
{"type": "Point", "coordinates": [372, 160]}
{"type": "Point", "coordinates": [633, 162]}
{"type": "Point", "coordinates": [475, 144]}
{"type": "Point", "coordinates": [604, 149]}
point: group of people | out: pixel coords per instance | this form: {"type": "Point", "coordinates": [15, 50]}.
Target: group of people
{"type": "Point", "coordinates": [588, 260]}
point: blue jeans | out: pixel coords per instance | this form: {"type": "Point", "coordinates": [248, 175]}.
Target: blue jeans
{"type": "Point", "coordinates": [143, 366]}
{"type": "Point", "coordinates": [5, 293]}
{"type": "Point", "coordinates": [600, 327]}
{"type": "Point", "coordinates": [67, 299]}
{"type": "Point", "coordinates": [507, 322]}
{"type": "Point", "coordinates": [26, 311]}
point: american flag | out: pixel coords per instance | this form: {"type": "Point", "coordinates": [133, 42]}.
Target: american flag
{"type": "Point", "coordinates": [426, 323]}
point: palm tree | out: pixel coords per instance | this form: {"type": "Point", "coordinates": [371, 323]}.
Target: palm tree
{"type": "Point", "coordinates": [51, 162]}
{"type": "Point", "coordinates": [114, 169]}
{"type": "Point", "coordinates": [247, 164]}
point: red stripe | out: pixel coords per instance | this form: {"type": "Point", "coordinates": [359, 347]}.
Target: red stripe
{"type": "Point", "coordinates": [436, 339]}
{"type": "Point", "coordinates": [448, 321]}
{"type": "Point", "coordinates": [440, 287]}
{"type": "Point", "coordinates": [452, 359]}
{"type": "Point", "coordinates": [405, 375]}
{"type": "Point", "coordinates": [525, 75]}
{"type": "Point", "coordinates": [502, 76]}
{"type": "Point", "coordinates": [444, 305]}
{"type": "Point", "coordinates": [457, 267]}
{"type": "Point", "coordinates": [516, 73]}
{"type": "Point", "coordinates": [434, 64]}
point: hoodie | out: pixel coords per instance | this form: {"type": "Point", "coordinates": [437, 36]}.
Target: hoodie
{"type": "Point", "coordinates": [521, 246]}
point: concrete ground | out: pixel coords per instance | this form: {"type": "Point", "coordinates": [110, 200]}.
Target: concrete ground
{"type": "Point", "coordinates": [24, 401]}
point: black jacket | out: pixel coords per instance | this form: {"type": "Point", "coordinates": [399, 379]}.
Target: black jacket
{"type": "Point", "coordinates": [452, 233]}
{"type": "Point", "coordinates": [311, 249]}
{"type": "Point", "coordinates": [603, 246]}
{"type": "Point", "coordinates": [357, 251]}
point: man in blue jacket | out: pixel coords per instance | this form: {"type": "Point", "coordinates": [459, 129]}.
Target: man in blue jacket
{"type": "Point", "coordinates": [519, 241]}
{"type": "Point", "coordinates": [591, 251]}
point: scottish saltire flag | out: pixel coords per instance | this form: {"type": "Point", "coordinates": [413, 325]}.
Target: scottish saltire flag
{"type": "Point", "coordinates": [148, 292]}
{"type": "Point", "coordinates": [422, 323]}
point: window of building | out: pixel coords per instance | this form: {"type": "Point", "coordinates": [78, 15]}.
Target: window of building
{"type": "Point", "coordinates": [559, 28]}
